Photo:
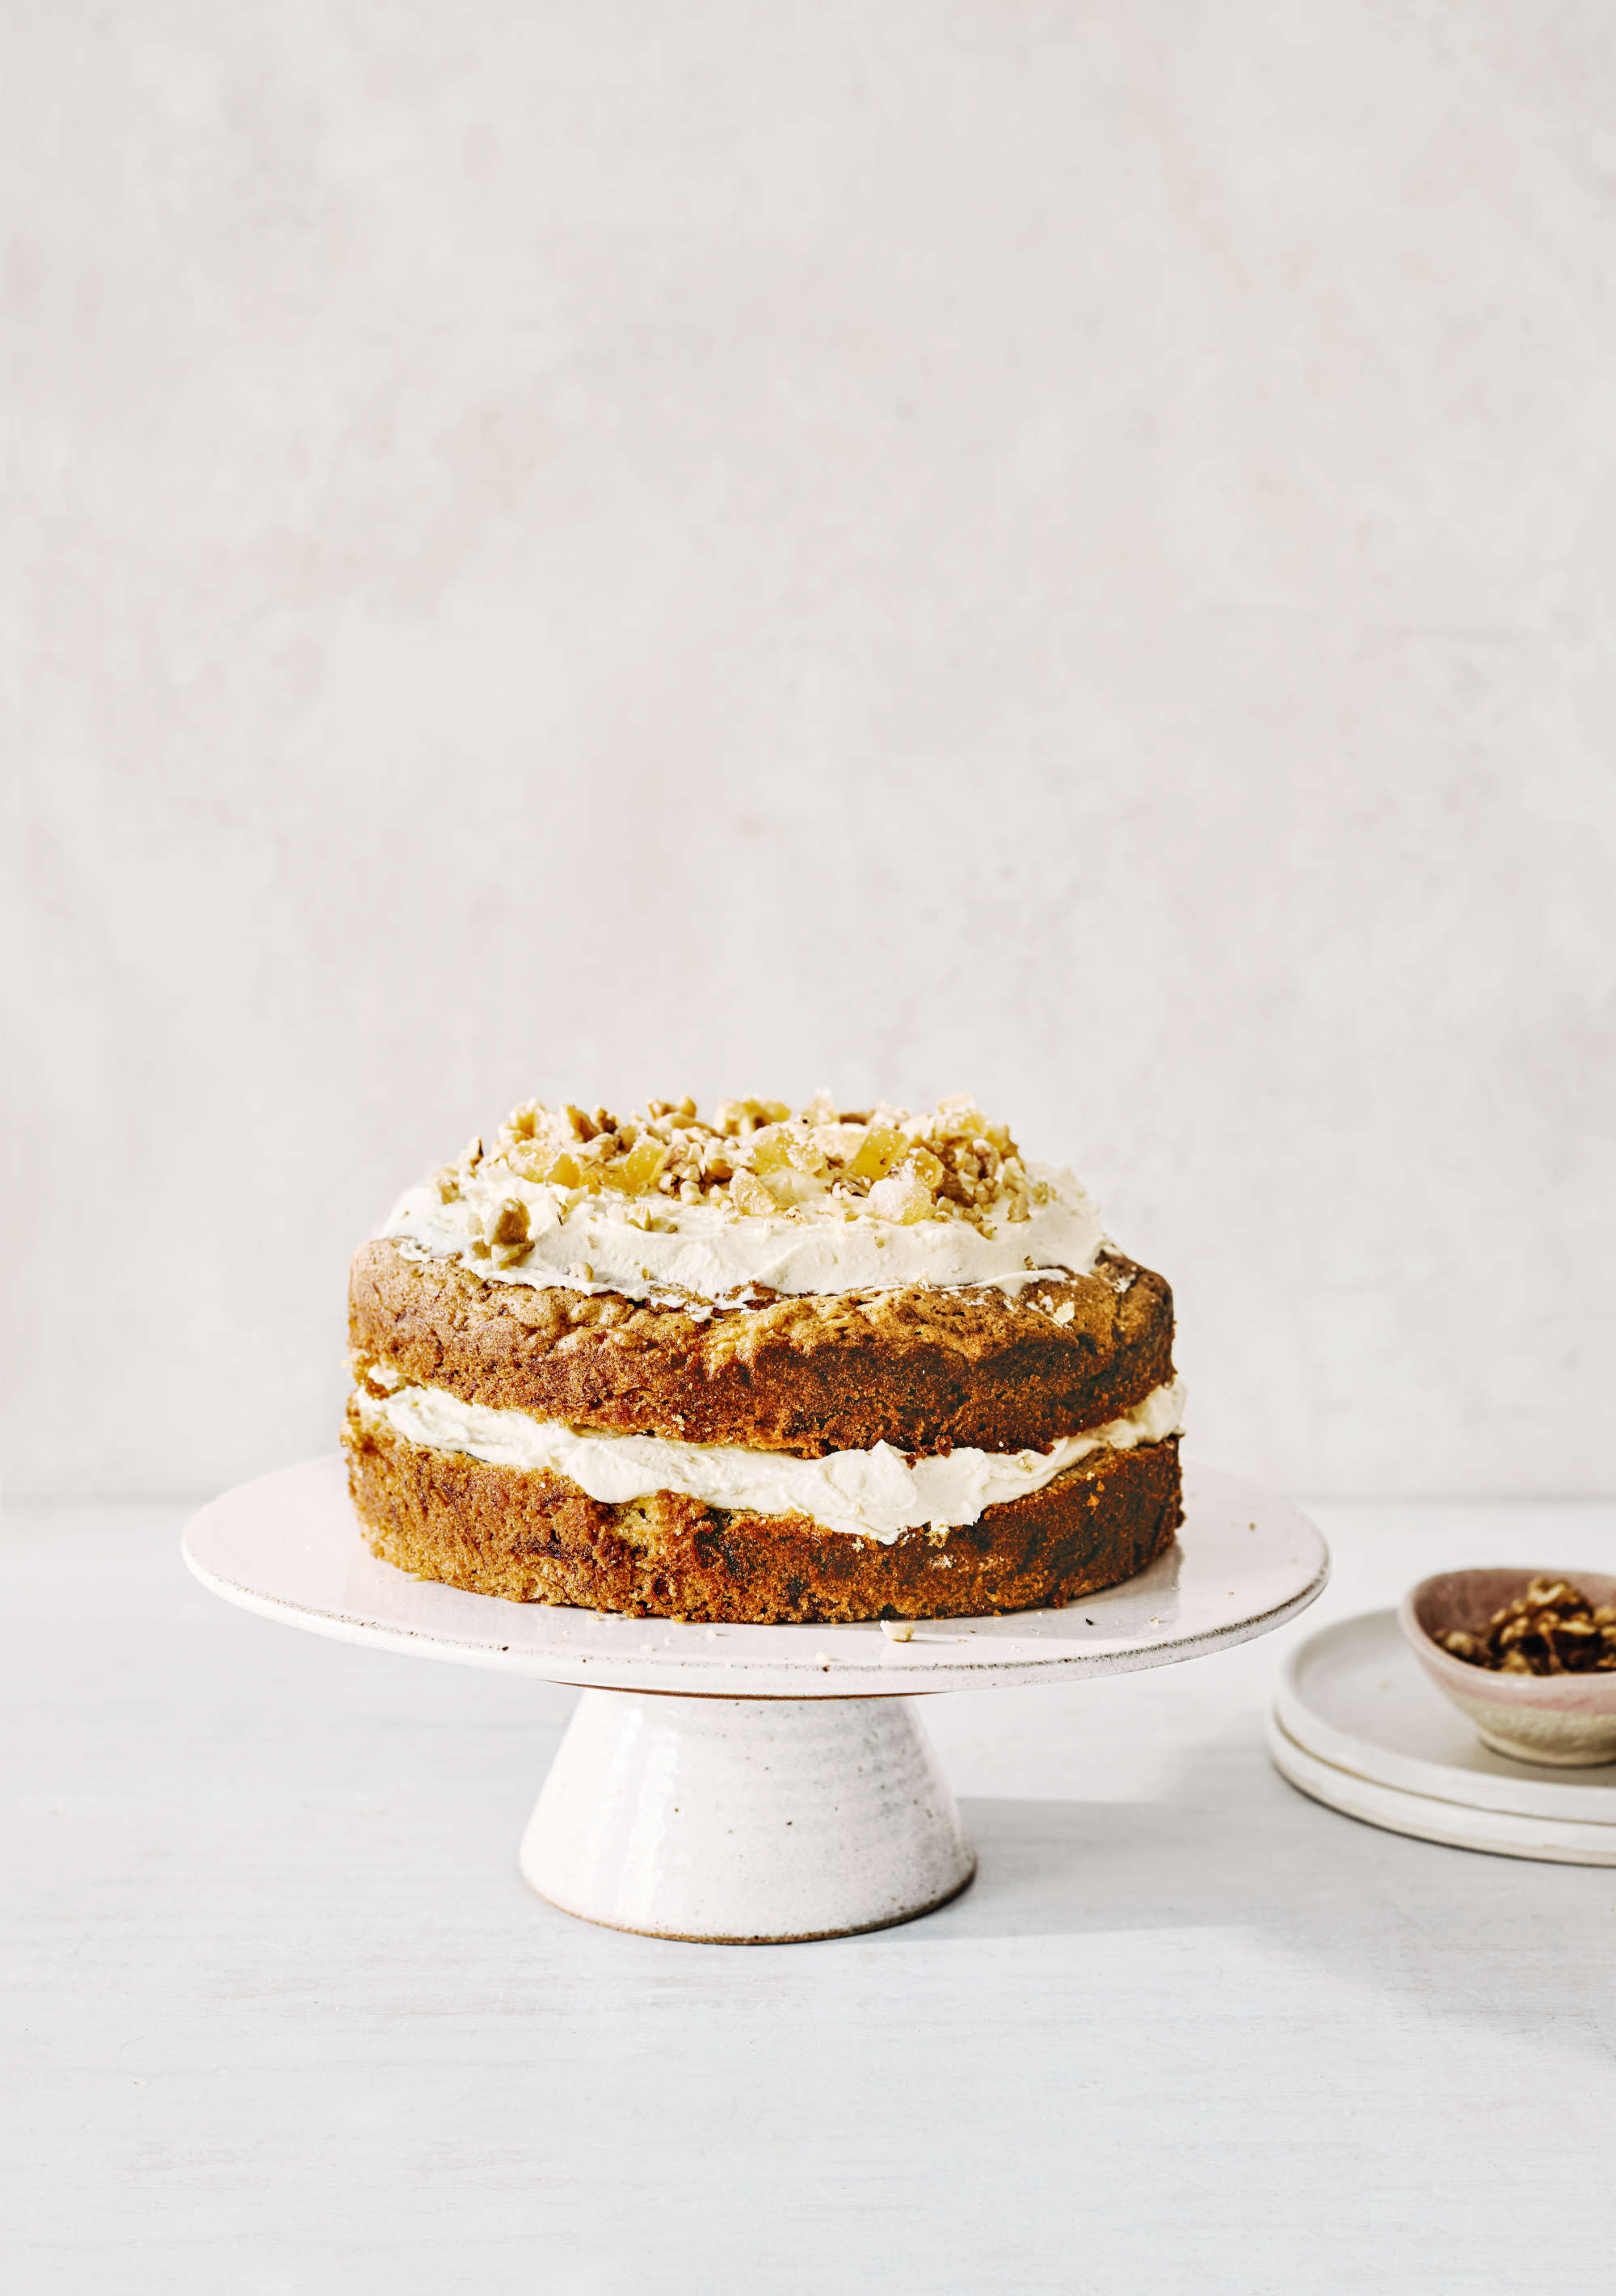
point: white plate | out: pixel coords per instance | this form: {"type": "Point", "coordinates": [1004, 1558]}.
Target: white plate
{"type": "Point", "coordinates": [1353, 1695]}
{"type": "Point", "coordinates": [288, 1547]}
{"type": "Point", "coordinates": [1563, 1842]}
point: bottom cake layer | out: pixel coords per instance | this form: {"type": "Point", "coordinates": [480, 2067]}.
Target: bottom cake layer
{"type": "Point", "coordinates": [534, 1538]}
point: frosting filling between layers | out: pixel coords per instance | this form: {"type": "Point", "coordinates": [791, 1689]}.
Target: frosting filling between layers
{"type": "Point", "coordinates": [876, 1494]}
{"type": "Point", "coordinates": [600, 1244]}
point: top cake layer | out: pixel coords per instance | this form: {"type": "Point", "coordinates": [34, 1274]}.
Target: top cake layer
{"type": "Point", "coordinates": [665, 1206]}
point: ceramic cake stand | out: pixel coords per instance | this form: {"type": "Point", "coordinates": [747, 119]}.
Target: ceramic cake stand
{"type": "Point", "coordinates": [753, 1784]}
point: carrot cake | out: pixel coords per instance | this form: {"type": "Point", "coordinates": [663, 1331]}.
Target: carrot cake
{"type": "Point", "coordinates": [771, 1366]}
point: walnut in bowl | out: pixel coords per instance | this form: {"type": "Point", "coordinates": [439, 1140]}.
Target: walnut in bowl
{"type": "Point", "coordinates": [1525, 1656]}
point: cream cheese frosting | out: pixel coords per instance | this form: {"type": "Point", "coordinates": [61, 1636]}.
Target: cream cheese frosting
{"type": "Point", "coordinates": [603, 1243]}
{"type": "Point", "coordinates": [876, 1494]}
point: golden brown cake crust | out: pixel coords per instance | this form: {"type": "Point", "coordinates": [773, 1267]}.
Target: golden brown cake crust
{"type": "Point", "coordinates": [926, 1371]}
{"type": "Point", "coordinates": [537, 1539]}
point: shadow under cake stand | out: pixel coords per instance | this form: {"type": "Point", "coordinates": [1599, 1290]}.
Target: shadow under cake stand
{"type": "Point", "coordinates": [753, 1784]}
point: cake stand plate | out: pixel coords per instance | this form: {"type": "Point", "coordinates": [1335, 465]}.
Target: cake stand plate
{"type": "Point", "coordinates": [753, 1784]}
{"type": "Point", "coordinates": [1357, 1726]}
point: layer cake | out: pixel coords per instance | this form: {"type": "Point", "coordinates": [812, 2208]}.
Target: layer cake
{"type": "Point", "coordinates": [772, 1366]}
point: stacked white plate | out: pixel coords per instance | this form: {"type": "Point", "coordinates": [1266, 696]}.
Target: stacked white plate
{"type": "Point", "coordinates": [1357, 1724]}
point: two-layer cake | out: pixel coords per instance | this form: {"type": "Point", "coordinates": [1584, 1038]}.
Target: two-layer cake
{"type": "Point", "coordinates": [777, 1366]}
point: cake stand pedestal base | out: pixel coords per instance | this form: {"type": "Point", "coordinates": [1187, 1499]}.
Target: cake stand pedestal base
{"type": "Point", "coordinates": [743, 1821]}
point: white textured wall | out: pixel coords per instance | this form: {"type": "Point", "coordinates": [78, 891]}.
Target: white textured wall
{"type": "Point", "coordinates": [596, 549]}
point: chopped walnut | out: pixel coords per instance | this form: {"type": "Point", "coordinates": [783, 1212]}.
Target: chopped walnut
{"type": "Point", "coordinates": [507, 1222]}
{"type": "Point", "coordinates": [1551, 1628]}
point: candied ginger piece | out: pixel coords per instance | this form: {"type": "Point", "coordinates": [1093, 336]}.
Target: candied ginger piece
{"type": "Point", "coordinates": [882, 1149]}
{"type": "Point", "coordinates": [904, 1197]}
{"type": "Point", "coordinates": [635, 1174]}
{"type": "Point", "coordinates": [742, 1117]}
{"type": "Point", "coordinates": [838, 1143]}
{"type": "Point", "coordinates": [771, 1149]}
{"type": "Point", "coordinates": [543, 1160]}
{"type": "Point", "coordinates": [747, 1194]}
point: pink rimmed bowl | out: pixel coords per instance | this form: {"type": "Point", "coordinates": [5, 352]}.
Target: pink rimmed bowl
{"type": "Point", "coordinates": [1568, 1720]}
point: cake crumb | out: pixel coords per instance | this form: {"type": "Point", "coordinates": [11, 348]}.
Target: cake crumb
{"type": "Point", "coordinates": [899, 1630]}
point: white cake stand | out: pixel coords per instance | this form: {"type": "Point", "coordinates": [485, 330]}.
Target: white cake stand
{"type": "Point", "coordinates": [753, 1784]}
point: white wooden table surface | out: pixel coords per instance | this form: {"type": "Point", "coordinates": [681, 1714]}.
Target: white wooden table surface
{"type": "Point", "coordinates": [278, 2015]}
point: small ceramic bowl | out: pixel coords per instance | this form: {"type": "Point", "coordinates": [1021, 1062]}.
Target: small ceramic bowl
{"type": "Point", "coordinates": [1566, 1720]}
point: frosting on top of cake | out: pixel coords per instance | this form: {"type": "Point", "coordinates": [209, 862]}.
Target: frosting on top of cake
{"type": "Point", "coordinates": [665, 1204]}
